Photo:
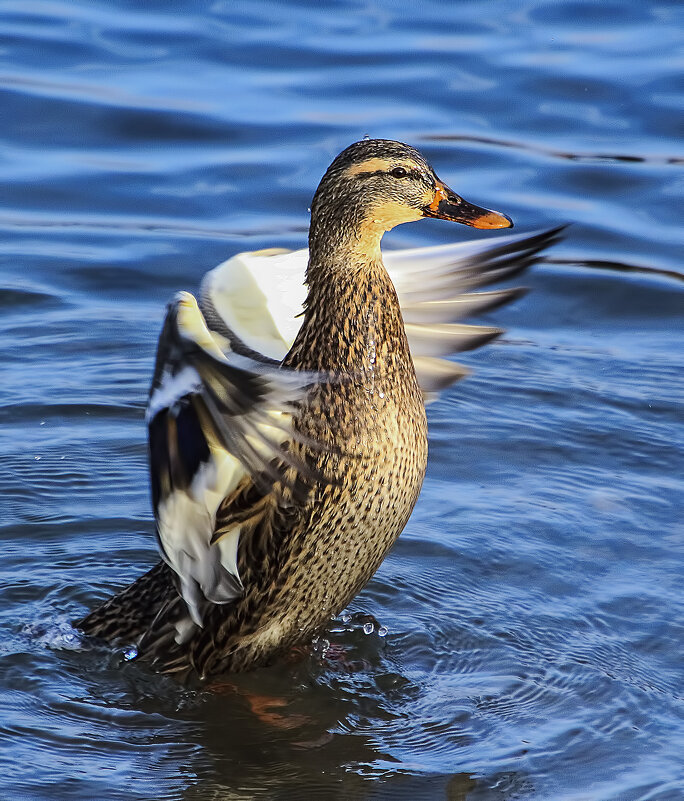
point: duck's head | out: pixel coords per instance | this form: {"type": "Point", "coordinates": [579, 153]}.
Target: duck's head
{"type": "Point", "coordinates": [376, 184]}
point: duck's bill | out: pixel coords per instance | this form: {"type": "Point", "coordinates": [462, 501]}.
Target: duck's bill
{"type": "Point", "coordinates": [447, 205]}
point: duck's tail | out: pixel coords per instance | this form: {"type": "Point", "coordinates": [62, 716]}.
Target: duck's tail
{"type": "Point", "coordinates": [149, 615]}
{"type": "Point", "coordinates": [125, 617]}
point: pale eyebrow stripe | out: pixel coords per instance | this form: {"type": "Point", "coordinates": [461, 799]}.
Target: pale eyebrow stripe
{"type": "Point", "coordinates": [379, 166]}
{"type": "Point", "coordinates": [369, 165]}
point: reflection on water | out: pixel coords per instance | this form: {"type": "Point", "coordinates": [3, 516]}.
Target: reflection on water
{"type": "Point", "coordinates": [533, 605]}
{"type": "Point", "coordinates": [619, 266]}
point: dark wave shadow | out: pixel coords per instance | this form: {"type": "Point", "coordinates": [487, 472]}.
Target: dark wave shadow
{"type": "Point", "coordinates": [558, 154]}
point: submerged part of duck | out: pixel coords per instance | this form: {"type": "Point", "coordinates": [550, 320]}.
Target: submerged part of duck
{"type": "Point", "coordinates": [286, 416]}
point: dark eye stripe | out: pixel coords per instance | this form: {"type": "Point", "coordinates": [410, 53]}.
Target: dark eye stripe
{"type": "Point", "coordinates": [416, 174]}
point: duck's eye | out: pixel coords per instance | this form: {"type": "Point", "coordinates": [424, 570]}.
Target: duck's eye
{"type": "Point", "coordinates": [399, 172]}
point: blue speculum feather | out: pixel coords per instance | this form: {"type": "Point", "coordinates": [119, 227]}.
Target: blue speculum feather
{"type": "Point", "coordinates": [178, 448]}
{"type": "Point", "coordinates": [192, 445]}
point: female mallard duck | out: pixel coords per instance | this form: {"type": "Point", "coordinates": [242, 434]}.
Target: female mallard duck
{"type": "Point", "coordinates": [281, 477]}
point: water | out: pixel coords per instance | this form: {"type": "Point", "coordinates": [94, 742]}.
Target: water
{"type": "Point", "coordinates": [533, 607]}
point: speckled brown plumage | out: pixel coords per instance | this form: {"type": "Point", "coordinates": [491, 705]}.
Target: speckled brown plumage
{"type": "Point", "coordinates": [307, 546]}
{"type": "Point", "coordinates": [303, 564]}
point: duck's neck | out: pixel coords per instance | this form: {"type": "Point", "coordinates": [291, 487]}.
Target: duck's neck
{"type": "Point", "coordinates": [352, 320]}
{"type": "Point", "coordinates": [352, 241]}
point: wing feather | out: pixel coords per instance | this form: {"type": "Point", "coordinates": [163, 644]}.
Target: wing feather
{"type": "Point", "coordinates": [256, 298]}
{"type": "Point", "coordinates": [217, 420]}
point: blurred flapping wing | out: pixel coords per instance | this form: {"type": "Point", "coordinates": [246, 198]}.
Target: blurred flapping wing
{"type": "Point", "coordinates": [257, 298]}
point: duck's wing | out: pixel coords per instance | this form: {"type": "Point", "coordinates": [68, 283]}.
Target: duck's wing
{"type": "Point", "coordinates": [435, 289]}
{"type": "Point", "coordinates": [217, 422]}
{"type": "Point", "coordinates": [259, 297]}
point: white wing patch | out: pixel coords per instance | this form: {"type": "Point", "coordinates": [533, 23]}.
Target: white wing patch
{"type": "Point", "coordinates": [185, 524]}
{"type": "Point", "coordinates": [171, 389]}
{"type": "Point", "coordinates": [259, 296]}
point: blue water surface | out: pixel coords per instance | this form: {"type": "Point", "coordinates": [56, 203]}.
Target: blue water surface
{"type": "Point", "coordinates": [535, 602]}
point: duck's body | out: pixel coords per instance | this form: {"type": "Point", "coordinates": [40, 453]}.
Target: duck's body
{"type": "Point", "coordinates": [280, 480]}
{"type": "Point", "coordinates": [371, 436]}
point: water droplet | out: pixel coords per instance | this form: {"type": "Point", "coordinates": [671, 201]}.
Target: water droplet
{"type": "Point", "coordinates": [42, 422]}
{"type": "Point", "coordinates": [130, 653]}
{"type": "Point", "coordinates": [346, 618]}
{"type": "Point", "coordinates": [382, 631]}
{"type": "Point", "coordinates": [37, 458]}
{"type": "Point", "coordinates": [368, 628]}
{"type": "Point", "coordinates": [381, 394]}
{"type": "Point", "coordinates": [366, 138]}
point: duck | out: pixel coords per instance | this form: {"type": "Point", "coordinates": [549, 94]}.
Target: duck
{"type": "Point", "coordinates": [287, 416]}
